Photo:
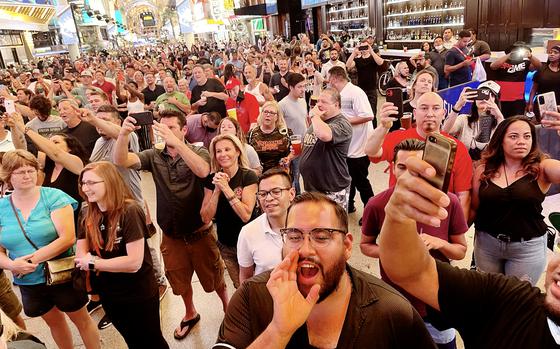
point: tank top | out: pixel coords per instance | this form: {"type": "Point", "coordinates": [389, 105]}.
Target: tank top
{"type": "Point", "coordinates": [256, 92]}
{"type": "Point", "coordinates": [515, 211]}
{"type": "Point", "coordinates": [135, 107]}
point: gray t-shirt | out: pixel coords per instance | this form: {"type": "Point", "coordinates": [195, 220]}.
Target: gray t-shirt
{"type": "Point", "coordinates": [47, 128]}
{"type": "Point", "coordinates": [323, 164]}
{"type": "Point", "coordinates": [103, 151]}
{"type": "Point", "coordinates": [295, 113]}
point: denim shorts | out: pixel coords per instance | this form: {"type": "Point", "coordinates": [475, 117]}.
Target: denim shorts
{"type": "Point", "coordinates": [40, 299]}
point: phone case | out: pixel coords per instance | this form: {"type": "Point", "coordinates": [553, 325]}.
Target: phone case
{"type": "Point", "coordinates": [395, 96]}
{"type": "Point", "coordinates": [547, 102]}
{"type": "Point", "coordinates": [440, 153]}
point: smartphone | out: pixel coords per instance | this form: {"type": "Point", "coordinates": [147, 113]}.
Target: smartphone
{"type": "Point", "coordinates": [395, 96]}
{"type": "Point", "coordinates": [440, 153]}
{"type": "Point", "coordinates": [482, 94]}
{"type": "Point", "coordinates": [363, 48]}
{"type": "Point", "coordinates": [547, 102]}
{"type": "Point", "coordinates": [144, 118]}
{"type": "Point", "coordinates": [10, 106]}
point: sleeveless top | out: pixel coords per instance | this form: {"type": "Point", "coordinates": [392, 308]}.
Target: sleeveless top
{"type": "Point", "coordinates": [256, 92]}
{"type": "Point", "coordinates": [135, 107]}
{"type": "Point", "coordinates": [515, 211]}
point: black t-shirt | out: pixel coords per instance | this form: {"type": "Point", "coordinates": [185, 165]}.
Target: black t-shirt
{"type": "Point", "coordinates": [212, 104]}
{"type": "Point", "coordinates": [150, 96]}
{"type": "Point", "coordinates": [276, 80]}
{"type": "Point", "coordinates": [66, 180]}
{"type": "Point", "coordinates": [125, 287]}
{"type": "Point", "coordinates": [492, 311]}
{"type": "Point", "coordinates": [548, 81]}
{"type": "Point", "coordinates": [228, 223]}
{"type": "Point", "coordinates": [459, 76]}
{"type": "Point", "coordinates": [367, 73]}
{"type": "Point", "coordinates": [271, 147]}
{"type": "Point", "coordinates": [86, 134]}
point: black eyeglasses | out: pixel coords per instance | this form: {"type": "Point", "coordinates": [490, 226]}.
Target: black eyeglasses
{"type": "Point", "coordinates": [319, 237]}
{"type": "Point", "coordinates": [274, 192]}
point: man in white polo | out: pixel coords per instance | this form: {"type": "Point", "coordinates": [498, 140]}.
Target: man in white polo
{"type": "Point", "coordinates": [259, 246]}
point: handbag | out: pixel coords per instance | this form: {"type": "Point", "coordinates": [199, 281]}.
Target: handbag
{"type": "Point", "coordinates": [57, 271]}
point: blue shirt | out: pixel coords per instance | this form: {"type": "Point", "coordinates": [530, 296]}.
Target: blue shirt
{"type": "Point", "coordinates": [39, 227]}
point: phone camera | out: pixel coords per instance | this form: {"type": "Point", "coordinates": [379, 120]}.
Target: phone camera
{"type": "Point", "coordinates": [541, 100]}
{"type": "Point", "coordinates": [432, 139]}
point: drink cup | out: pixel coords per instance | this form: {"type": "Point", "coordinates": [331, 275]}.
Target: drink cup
{"type": "Point", "coordinates": [159, 142]}
{"type": "Point", "coordinates": [406, 121]}
{"type": "Point", "coordinates": [232, 113]}
{"type": "Point", "coordinates": [313, 101]}
{"type": "Point", "coordinates": [296, 144]}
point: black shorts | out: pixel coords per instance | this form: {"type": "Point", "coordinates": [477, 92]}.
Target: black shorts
{"type": "Point", "coordinates": [40, 299]}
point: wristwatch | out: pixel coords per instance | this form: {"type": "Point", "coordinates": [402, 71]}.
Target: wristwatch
{"type": "Point", "coordinates": [91, 263]}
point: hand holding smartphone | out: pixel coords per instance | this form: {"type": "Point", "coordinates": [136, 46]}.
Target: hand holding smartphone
{"type": "Point", "coordinates": [144, 118]}
{"type": "Point", "coordinates": [440, 153]}
{"type": "Point", "coordinates": [395, 96]}
{"type": "Point", "coordinates": [10, 106]}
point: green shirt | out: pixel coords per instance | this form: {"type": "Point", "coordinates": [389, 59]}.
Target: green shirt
{"type": "Point", "coordinates": [165, 105]}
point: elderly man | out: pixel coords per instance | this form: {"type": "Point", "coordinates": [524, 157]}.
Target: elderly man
{"type": "Point", "coordinates": [313, 298]}
{"type": "Point", "coordinates": [325, 147]}
{"type": "Point", "coordinates": [85, 133]}
{"type": "Point", "coordinates": [172, 99]}
{"type": "Point", "coordinates": [429, 114]}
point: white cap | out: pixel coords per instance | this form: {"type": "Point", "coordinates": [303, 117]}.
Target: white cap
{"type": "Point", "coordinates": [491, 85]}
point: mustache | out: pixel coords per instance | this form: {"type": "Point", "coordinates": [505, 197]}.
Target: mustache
{"type": "Point", "coordinates": [311, 259]}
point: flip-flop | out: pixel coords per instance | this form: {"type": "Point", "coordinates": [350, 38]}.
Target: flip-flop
{"type": "Point", "coordinates": [184, 323]}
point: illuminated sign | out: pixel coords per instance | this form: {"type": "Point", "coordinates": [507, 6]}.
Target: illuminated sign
{"type": "Point", "coordinates": [312, 3]}
{"type": "Point", "coordinates": [67, 28]}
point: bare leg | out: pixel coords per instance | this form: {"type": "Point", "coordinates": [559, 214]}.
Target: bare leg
{"type": "Point", "coordinates": [87, 328]}
{"type": "Point", "coordinates": [59, 328]}
{"type": "Point", "coordinates": [190, 310]}
{"type": "Point", "coordinates": [222, 293]}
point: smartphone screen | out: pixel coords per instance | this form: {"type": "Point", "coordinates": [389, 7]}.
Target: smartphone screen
{"type": "Point", "coordinates": [482, 94]}
{"type": "Point", "coordinates": [144, 118]}
{"type": "Point", "coordinates": [10, 106]}
{"type": "Point", "coordinates": [440, 153]}
{"type": "Point", "coordinates": [395, 96]}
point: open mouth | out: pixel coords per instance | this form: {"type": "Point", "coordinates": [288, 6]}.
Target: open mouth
{"type": "Point", "coordinates": [308, 270]}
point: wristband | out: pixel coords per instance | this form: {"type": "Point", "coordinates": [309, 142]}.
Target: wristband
{"type": "Point", "coordinates": [233, 202]}
{"type": "Point", "coordinates": [91, 263]}
{"type": "Point", "coordinates": [455, 110]}
{"type": "Point", "coordinates": [232, 198]}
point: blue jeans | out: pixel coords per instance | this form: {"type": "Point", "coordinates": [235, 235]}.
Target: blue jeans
{"type": "Point", "coordinates": [525, 260]}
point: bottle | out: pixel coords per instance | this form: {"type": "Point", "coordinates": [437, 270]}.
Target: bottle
{"type": "Point", "coordinates": [462, 19]}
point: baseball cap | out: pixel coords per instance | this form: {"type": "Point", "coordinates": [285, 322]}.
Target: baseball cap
{"type": "Point", "coordinates": [492, 86]}
{"type": "Point", "coordinates": [86, 73]}
{"type": "Point", "coordinates": [232, 82]}
{"type": "Point", "coordinates": [36, 71]}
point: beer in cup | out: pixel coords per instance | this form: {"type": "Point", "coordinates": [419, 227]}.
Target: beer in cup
{"type": "Point", "coordinates": [232, 113]}
{"type": "Point", "coordinates": [296, 144]}
{"type": "Point", "coordinates": [406, 121]}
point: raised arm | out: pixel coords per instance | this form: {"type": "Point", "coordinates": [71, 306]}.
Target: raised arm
{"type": "Point", "coordinates": [121, 156]}
{"type": "Point", "coordinates": [374, 143]}
{"type": "Point", "coordinates": [401, 249]}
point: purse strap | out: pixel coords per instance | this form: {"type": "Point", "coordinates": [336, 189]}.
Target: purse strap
{"type": "Point", "coordinates": [20, 225]}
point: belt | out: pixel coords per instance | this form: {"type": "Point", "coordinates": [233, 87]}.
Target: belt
{"type": "Point", "coordinates": [198, 235]}
{"type": "Point", "coordinates": [508, 238]}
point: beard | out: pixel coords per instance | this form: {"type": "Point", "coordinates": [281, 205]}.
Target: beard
{"type": "Point", "coordinates": [552, 310]}
{"type": "Point", "coordinates": [331, 277]}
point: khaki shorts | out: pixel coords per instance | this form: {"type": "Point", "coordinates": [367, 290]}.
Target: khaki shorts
{"type": "Point", "coordinates": [182, 259]}
{"type": "Point", "coordinates": [9, 302]}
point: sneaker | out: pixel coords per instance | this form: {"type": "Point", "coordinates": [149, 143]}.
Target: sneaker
{"type": "Point", "coordinates": [104, 322]}
{"type": "Point", "coordinates": [162, 291]}
{"type": "Point", "coordinates": [93, 306]}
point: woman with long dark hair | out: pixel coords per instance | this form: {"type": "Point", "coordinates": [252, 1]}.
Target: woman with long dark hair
{"type": "Point", "coordinates": [476, 128]}
{"type": "Point", "coordinates": [508, 190]}
{"type": "Point", "coordinates": [112, 246]}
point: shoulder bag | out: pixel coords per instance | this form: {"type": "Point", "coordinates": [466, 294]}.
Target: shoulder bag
{"type": "Point", "coordinates": [57, 271]}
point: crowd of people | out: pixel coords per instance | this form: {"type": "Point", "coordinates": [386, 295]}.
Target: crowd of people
{"type": "Point", "coordinates": [228, 133]}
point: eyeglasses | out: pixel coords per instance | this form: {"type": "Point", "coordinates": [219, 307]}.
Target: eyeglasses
{"type": "Point", "coordinates": [274, 192]}
{"type": "Point", "coordinates": [90, 183]}
{"type": "Point", "coordinates": [318, 237]}
{"type": "Point", "coordinates": [24, 172]}
{"type": "Point", "coordinates": [268, 112]}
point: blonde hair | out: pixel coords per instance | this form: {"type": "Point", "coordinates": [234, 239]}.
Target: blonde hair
{"type": "Point", "coordinates": [280, 122]}
{"type": "Point", "coordinates": [242, 159]}
{"type": "Point", "coordinates": [422, 72]}
{"type": "Point", "coordinates": [14, 159]}
{"type": "Point", "coordinates": [11, 329]}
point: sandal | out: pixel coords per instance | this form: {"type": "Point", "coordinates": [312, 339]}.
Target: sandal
{"type": "Point", "coordinates": [184, 323]}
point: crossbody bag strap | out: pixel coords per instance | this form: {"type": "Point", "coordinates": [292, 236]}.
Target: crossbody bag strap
{"type": "Point", "coordinates": [20, 225]}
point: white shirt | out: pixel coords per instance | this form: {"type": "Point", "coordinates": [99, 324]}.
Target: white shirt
{"type": "Point", "coordinates": [259, 245]}
{"type": "Point", "coordinates": [327, 66]}
{"type": "Point", "coordinates": [6, 144]}
{"type": "Point", "coordinates": [554, 330]}
{"type": "Point", "coordinates": [354, 102]}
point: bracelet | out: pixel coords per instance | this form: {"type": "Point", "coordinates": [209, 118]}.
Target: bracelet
{"type": "Point", "coordinates": [232, 198]}
{"type": "Point", "coordinates": [233, 202]}
{"type": "Point", "coordinates": [455, 110]}
{"type": "Point", "coordinates": [26, 129]}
